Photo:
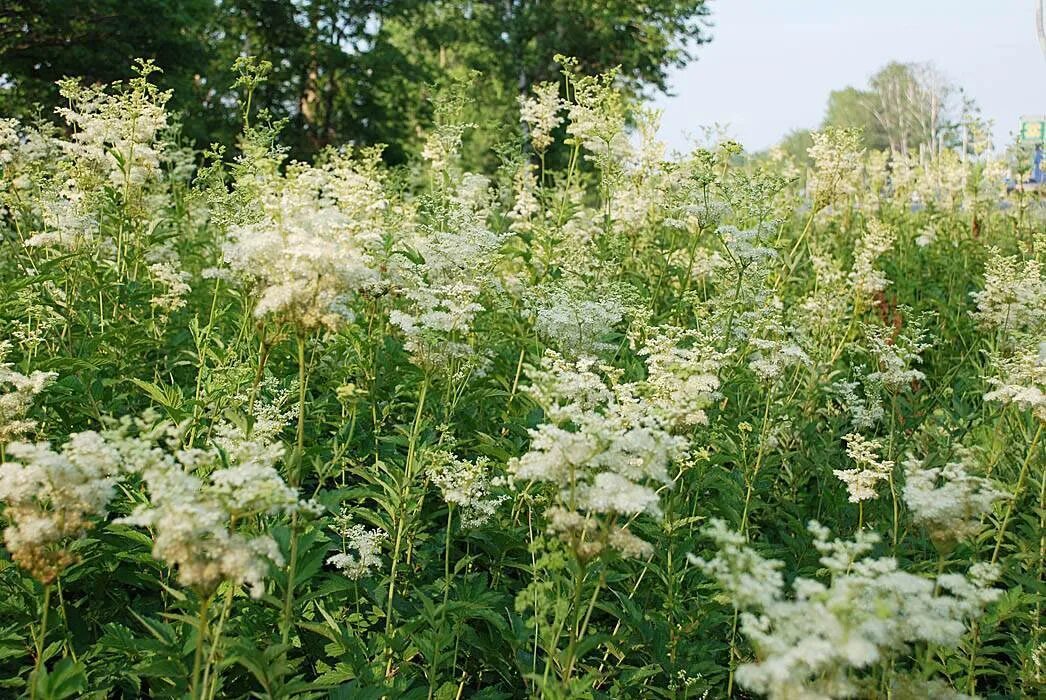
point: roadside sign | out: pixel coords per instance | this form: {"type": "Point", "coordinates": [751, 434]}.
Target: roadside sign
{"type": "Point", "coordinates": [1033, 129]}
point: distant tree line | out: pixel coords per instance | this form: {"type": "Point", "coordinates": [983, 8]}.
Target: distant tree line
{"type": "Point", "coordinates": [905, 106]}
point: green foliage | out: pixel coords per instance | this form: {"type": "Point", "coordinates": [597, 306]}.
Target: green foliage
{"type": "Point", "coordinates": [433, 432]}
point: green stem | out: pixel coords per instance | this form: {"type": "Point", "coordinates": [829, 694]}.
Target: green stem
{"type": "Point", "coordinates": [1016, 494]}
{"type": "Point", "coordinates": [401, 524]}
{"type": "Point", "coordinates": [207, 691]}
{"type": "Point", "coordinates": [201, 633]}
{"type": "Point", "coordinates": [40, 640]}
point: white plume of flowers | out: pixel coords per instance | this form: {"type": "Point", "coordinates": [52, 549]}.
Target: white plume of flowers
{"type": "Point", "coordinates": [775, 345]}
{"type": "Point", "coordinates": [816, 642]}
{"type": "Point", "coordinates": [542, 114]}
{"type": "Point", "coordinates": [50, 498]}
{"type": "Point", "coordinates": [745, 245]}
{"type": "Point", "coordinates": [861, 480]}
{"type": "Point", "coordinates": [443, 280]}
{"type": "Point", "coordinates": [864, 277]}
{"type": "Point", "coordinates": [597, 115]}
{"type": "Point", "coordinates": [573, 322]}
{"type": "Point", "coordinates": [526, 206]}
{"type": "Point", "coordinates": [682, 375]}
{"type": "Point", "coordinates": [306, 253]}
{"type": "Point", "coordinates": [837, 156]}
{"type": "Point", "coordinates": [465, 484]}
{"type": "Point", "coordinates": [866, 409]}
{"type": "Point", "coordinates": [195, 519]}
{"type": "Point", "coordinates": [17, 395]}
{"type": "Point", "coordinates": [1021, 381]}
{"type": "Point", "coordinates": [166, 272]}
{"type": "Point", "coordinates": [1014, 295]}
{"type": "Point", "coordinates": [603, 450]}
{"type": "Point", "coordinates": [117, 130]}
{"type": "Point", "coordinates": [949, 501]}
{"type": "Point", "coordinates": [365, 543]}
{"type": "Point", "coordinates": [896, 354]}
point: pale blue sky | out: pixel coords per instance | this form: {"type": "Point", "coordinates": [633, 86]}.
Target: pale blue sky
{"type": "Point", "coordinates": [772, 63]}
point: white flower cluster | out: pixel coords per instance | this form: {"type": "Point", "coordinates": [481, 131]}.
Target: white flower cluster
{"type": "Point", "coordinates": [861, 480]}
{"type": "Point", "coordinates": [895, 354]}
{"type": "Point", "coordinates": [814, 643]}
{"type": "Point", "coordinates": [526, 206]}
{"type": "Point", "coordinates": [17, 393]}
{"type": "Point", "coordinates": [195, 519]}
{"type": "Point", "coordinates": [836, 154]}
{"type": "Point", "coordinates": [366, 544]}
{"type": "Point", "coordinates": [1014, 295]}
{"type": "Point", "coordinates": [775, 345]}
{"type": "Point", "coordinates": [745, 245]}
{"type": "Point", "coordinates": [949, 501]}
{"type": "Point", "coordinates": [864, 277]}
{"type": "Point", "coordinates": [597, 116]}
{"type": "Point", "coordinates": [117, 133]}
{"type": "Point", "coordinates": [444, 278]}
{"type": "Point", "coordinates": [602, 447]}
{"type": "Point", "coordinates": [466, 485]}
{"type": "Point", "coordinates": [307, 254]}
{"type": "Point", "coordinates": [865, 409]}
{"type": "Point", "coordinates": [166, 272]}
{"type": "Point", "coordinates": [682, 375]}
{"type": "Point", "coordinates": [573, 323]}
{"type": "Point", "coordinates": [541, 114]}
{"type": "Point", "coordinates": [51, 497]}
{"type": "Point", "coordinates": [1022, 381]}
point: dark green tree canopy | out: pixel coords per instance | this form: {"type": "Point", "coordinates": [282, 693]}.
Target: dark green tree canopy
{"type": "Point", "coordinates": [344, 71]}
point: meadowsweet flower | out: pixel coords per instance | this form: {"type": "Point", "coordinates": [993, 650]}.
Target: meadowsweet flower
{"type": "Point", "coordinates": [17, 394]}
{"type": "Point", "coordinates": [949, 501]}
{"type": "Point", "coordinates": [816, 642]}
{"type": "Point", "coordinates": [356, 538]}
{"type": "Point", "coordinates": [1021, 381]}
{"type": "Point", "coordinates": [1014, 295]}
{"type": "Point", "coordinates": [861, 480]}
{"type": "Point", "coordinates": [775, 346]}
{"type": "Point", "coordinates": [836, 154]}
{"type": "Point", "coordinates": [466, 484]}
{"type": "Point", "coordinates": [596, 116]}
{"type": "Point", "coordinates": [116, 131]}
{"type": "Point", "coordinates": [829, 300]}
{"type": "Point", "coordinates": [304, 254]}
{"type": "Point", "coordinates": [682, 375]}
{"type": "Point", "coordinates": [443, 280]}
{"type": "Point", "coordinates": [602, 449]}
{"type": "Point", "coordinates": [751, 580]}
{"type": "Point", "coordinates": [541, 113]}
{"type": "Point", "coordinates": [864, 277]}
{"type": "Point", "coordinates": [195, 519]}
{"type": "Point", "coordinates": [50, 499]}
{"type": "Point", "coordinates": [165, 271]}
{"type": "Point", "coordinates": [574, 323]}
{"type": "Point", "coordinates": [526, 205]}
{"type": "Point", "coordinates": [927, 236]}
{"type": "Point", "coordinates": [895, 353]}
{"type": "Point", "coordinates": [745, 246]}
{"type": "Point", "coordinates": [866, 409]}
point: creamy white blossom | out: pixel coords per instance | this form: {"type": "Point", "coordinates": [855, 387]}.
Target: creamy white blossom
{"type": "Point", "coordinates": [861, 481]}
{"type": "Point", "coordinates": [51, 497]}
{"type": "Point", "coordinates": [817, 641]}
{"type": "Point", "coordinates": [360, 553]}
{"type": "Point", "coordinates": [948, 501]}
{"type": "Point", "coordinates": [18, 393]}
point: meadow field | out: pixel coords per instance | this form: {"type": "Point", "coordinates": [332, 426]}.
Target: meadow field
{"type": "Point", "coordinates": [592, 420]}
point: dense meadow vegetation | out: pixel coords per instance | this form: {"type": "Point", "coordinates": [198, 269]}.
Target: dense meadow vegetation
{"type": "Point", "coordinates": [609, 424]}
